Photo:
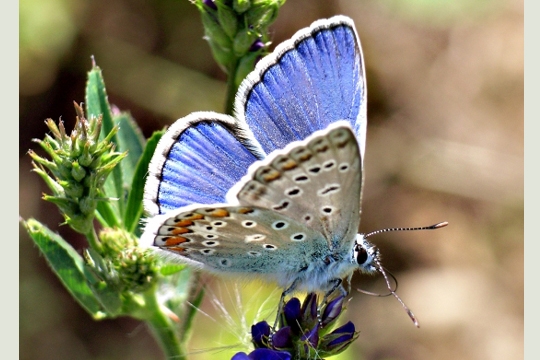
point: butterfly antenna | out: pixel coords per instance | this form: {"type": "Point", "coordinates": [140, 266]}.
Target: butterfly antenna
{"type": "Point", "coordinates": [381, 295]}
{"type": "Point", "coordinates": [385, 273]}
{"type": "Point", "coordinates": [432, 227]}
{"type": "Point", "coordinates": [393, 292]}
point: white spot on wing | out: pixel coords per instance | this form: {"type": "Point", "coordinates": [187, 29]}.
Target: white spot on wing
{"type": "Point", "coordinates": [254, 237]}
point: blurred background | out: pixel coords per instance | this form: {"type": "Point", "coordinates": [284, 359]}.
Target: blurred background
{"type": "Point", "coordinates": [444, 143]}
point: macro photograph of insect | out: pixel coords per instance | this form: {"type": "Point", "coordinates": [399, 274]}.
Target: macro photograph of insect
{"type": "Point", "coordinates": [271, 179]}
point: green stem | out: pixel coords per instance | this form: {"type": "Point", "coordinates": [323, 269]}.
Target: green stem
{"type": "Point", "coordinates": [231, 88]}
{"type": "Point", "coordinates": [163, 328]}
{"type": "Point", "coordinates": [93, 240]}
{"type": "Point", "coordinates": [195, 299]}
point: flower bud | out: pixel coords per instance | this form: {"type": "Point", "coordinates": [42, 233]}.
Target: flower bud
{"type": "Point", "coordinates": [241, 6]}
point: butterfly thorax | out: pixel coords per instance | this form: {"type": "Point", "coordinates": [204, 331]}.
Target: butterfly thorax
{"type": "Point", "coordinates": [319, 275]}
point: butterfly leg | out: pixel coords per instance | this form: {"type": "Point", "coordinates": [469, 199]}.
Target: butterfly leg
{"type": "Point", "coordinates": [336, 284]}
{"type": "Point", "coordinates": [287, 291]}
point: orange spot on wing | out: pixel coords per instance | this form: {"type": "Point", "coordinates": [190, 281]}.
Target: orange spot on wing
{"type": "Point", "coordinates": [172, 241]}
{"type": "Point", "coordinates": [178, 231]}
{"type": "Point", "coordinates": [289, 164]}
{"type": "Point", "coordinates": [195, 217]}
{"type": "Point", "coordinates": [245, 211]}
{"type": "Point", "coordinates": [184, 223]}
{"type": "Point", "coordinates": [178, 249]}
{"type": "Point", "coordinates": [274, 175]}
{"type": "Point", "coordinates": [220, 213]}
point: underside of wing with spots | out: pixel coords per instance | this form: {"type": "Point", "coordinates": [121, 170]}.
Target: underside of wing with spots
{"type": "Point", "coordinates": [298, 200]}
{"type": "Point", "coordinates": [236, 239]}
{"type": "Point", "coordinates": [317, 182]}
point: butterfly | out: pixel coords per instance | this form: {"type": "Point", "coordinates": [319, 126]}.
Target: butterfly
{"type": "Point", "coordinates": [275, 191]}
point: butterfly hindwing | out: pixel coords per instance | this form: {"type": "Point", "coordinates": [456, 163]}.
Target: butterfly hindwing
{"type": "Point", "coordinates": [316, 182]}
{"type": "Point", "coordinates": [238, 239]}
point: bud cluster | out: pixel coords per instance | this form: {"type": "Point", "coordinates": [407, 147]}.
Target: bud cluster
{"type": "Point", "coordinates": [130, 268]}
{"type": "Point", "coordinates": [78, 167]}
{"type": "Point", "coordinates": [237, 31]}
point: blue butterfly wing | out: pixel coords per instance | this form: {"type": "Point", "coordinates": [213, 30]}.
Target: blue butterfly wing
{"type": "Point", "coordinates": [310, 81]}
{"type": "Point", "coordinates": [197, 161]}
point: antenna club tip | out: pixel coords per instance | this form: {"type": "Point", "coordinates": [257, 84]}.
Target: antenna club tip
{"type": "Point", "coordinates": [440, 225]}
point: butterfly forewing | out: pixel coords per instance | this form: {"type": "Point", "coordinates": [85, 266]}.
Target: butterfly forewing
{"type": "Point", "coordinates": [238, 239]}
{"type": "Point", "coordinates": [308, 82]}
{"type": "Point", "coordinates": [316, 182]}
{"type": "Point", "coordinates": [197, 160]}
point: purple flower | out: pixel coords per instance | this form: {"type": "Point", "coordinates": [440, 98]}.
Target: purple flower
{"type": "Point", "coordinates": [260, 333]}
{"type": "Point", "coordinates": [262, 354]}
{"type": "Point", "coordinates": [282, 339]}
{"type": "Point", "coordinates": [210, 3]}
{"type": "Point", "coordinates": [291, 315]}
{"type": "Point", "coordinates": [257, 45]}
{"type": "Point", "coordinates": [339, 339]}
{"type": "Point", "coordinates": [332, 310]}
{"type": "Point", "coordinates": [303, 332]}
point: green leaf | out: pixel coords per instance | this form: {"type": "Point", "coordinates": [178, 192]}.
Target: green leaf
{"type": "Point", "coordinates": [134, 208]}
{"type": "Point", "coordinates": [130, 139]}
{"type": "Point", "coordinates": [66, 263]}
{"type": "Point", "coordinates": [107, 214]}
{"type": "Point", "coordinates": [97, 105]}
{"type": "Point", "coordinates": [171, 268]}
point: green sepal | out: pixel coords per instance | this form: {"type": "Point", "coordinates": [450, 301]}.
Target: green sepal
{"type": "Point", "coordinates": [134, 208]}
{"type": "Point", "coordinates": [227, 20]}
{"type": "Point", "coordinates": [102, 282]}
{"type": "Point", "coordinates": [243, 41]}
{"type": "Point", "coordinates": [245, 66]}
{"type": "Point", "coordinates": [262, 13]}
{"type": "Point", "coordinates": [223, 56]}
{"type": "Point", "coordinates": [67, 264]}
{"type": "Point", "coordinates": [214, 31]}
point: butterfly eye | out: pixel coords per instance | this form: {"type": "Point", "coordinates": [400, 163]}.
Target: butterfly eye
{"type": "Point", "coordinates": [361, 256]}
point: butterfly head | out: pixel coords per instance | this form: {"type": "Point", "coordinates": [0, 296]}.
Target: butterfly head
{"type": "Point", "coordinates": [366, 255]}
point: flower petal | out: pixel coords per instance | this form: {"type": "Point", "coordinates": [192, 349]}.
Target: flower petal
{"type": "Point", "coordinates": [282, 339]}
{"type": "Point", "coordinates": [260, 333]}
